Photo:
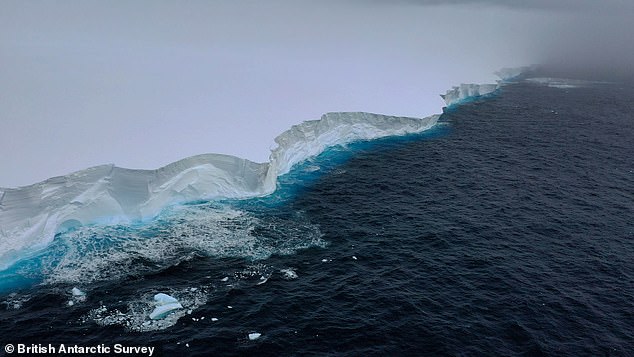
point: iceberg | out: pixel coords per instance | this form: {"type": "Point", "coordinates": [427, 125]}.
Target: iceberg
{"type": "Point", "coordinates": [464, 92]}
{"type": "Point", "coordinates": [31, 216]}
{"type": "Point", "coordinates": [516, 73]}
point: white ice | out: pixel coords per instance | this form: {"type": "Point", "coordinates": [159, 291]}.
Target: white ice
{"type": "Point", "coordinates": [164, 305]}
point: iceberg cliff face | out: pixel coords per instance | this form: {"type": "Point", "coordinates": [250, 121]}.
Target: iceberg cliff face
{"type": "Point", "coordinates": [30, 216]}
{"type": "Point", "coordinates": [460, 94]}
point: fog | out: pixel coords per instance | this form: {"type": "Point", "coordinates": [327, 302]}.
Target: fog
{"type": "Point", "coordinates": [144, 83]}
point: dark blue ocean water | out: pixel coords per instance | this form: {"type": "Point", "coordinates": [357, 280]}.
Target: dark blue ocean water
{"type": "Point", "coordinates": [506, 230]}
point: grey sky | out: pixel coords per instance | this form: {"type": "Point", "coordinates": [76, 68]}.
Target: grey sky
{"type": "Point", "coordinates": [145, 83]}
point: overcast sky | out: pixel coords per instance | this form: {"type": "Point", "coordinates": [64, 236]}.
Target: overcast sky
{"type": "Point", "coordinates": [144, 83]}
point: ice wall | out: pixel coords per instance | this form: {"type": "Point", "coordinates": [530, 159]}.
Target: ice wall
{"type": "Point", "coordinates": [459, 94]}
{"type": "Point", "coordinates": [30, 216]}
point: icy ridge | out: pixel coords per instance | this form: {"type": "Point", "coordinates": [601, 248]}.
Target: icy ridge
{"type": "Point", "coordinates": [464, 92]}
{"type": "Point", "coordinates": [468, 91]}
{"type": "Point", "coordinates": [30, 216]}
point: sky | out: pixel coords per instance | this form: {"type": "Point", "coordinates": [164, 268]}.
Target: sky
{"type": "Point", "coordinates": [144, 83]}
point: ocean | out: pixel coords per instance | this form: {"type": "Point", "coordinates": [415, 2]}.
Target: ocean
{"type": "Point", "coordinates": [506, 229]}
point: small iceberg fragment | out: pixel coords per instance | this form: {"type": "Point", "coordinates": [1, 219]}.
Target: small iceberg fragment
{"type": "Point", "coordinates": [289, 274]}
{"type": "Point", "coordinates": [78, 296]}
{"type": "Point", "coordinates": [77, 292]}
{"type": "Point", "coordinates": [164, 305]}
{"type": "Point", "coordinates": [254, 336]}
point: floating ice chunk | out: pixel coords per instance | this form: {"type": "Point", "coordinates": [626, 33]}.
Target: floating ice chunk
{"type": "Point", "coordinates": [214, 319]}
{"type": "Point", "coordinates": [161, 311]}
{"type": "Point", "coordinates": [289, 273]}
{"type": "Point", "coordinates": [78, 296]}
{"type": "Point", "coordinates": [254, 336]}
{"type": "Point", "coordinates": [226, 278]}
{"type": "Point", "coordinates": [162, 299]}
{"type": "Point", "coordinates": [354, 257]}
{"type": "Point", "coordinates": [164, 305]}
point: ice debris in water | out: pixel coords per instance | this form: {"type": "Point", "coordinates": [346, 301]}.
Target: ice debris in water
{"type": "Point", "coordinates": [136, 316]}
{"type": "Point", "coordinates": [77, 292]}
{"type": "Point", "coordinates": [254, 336]}
{"type": "Point", "coordinates": [15, 301]}
{"type": "Point", "coordinates": [164, 305]}
{"type": "Point", "coordinates": [289, 273]}
{"type": "Point", "coordinates": [78, 296]}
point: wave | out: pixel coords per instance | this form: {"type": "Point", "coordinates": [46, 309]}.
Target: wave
{"type": "Point", "coordinates": [31, 216]}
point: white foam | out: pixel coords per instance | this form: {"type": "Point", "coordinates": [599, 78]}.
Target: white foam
{"type": "Point", "coordinates": [187, 231]}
